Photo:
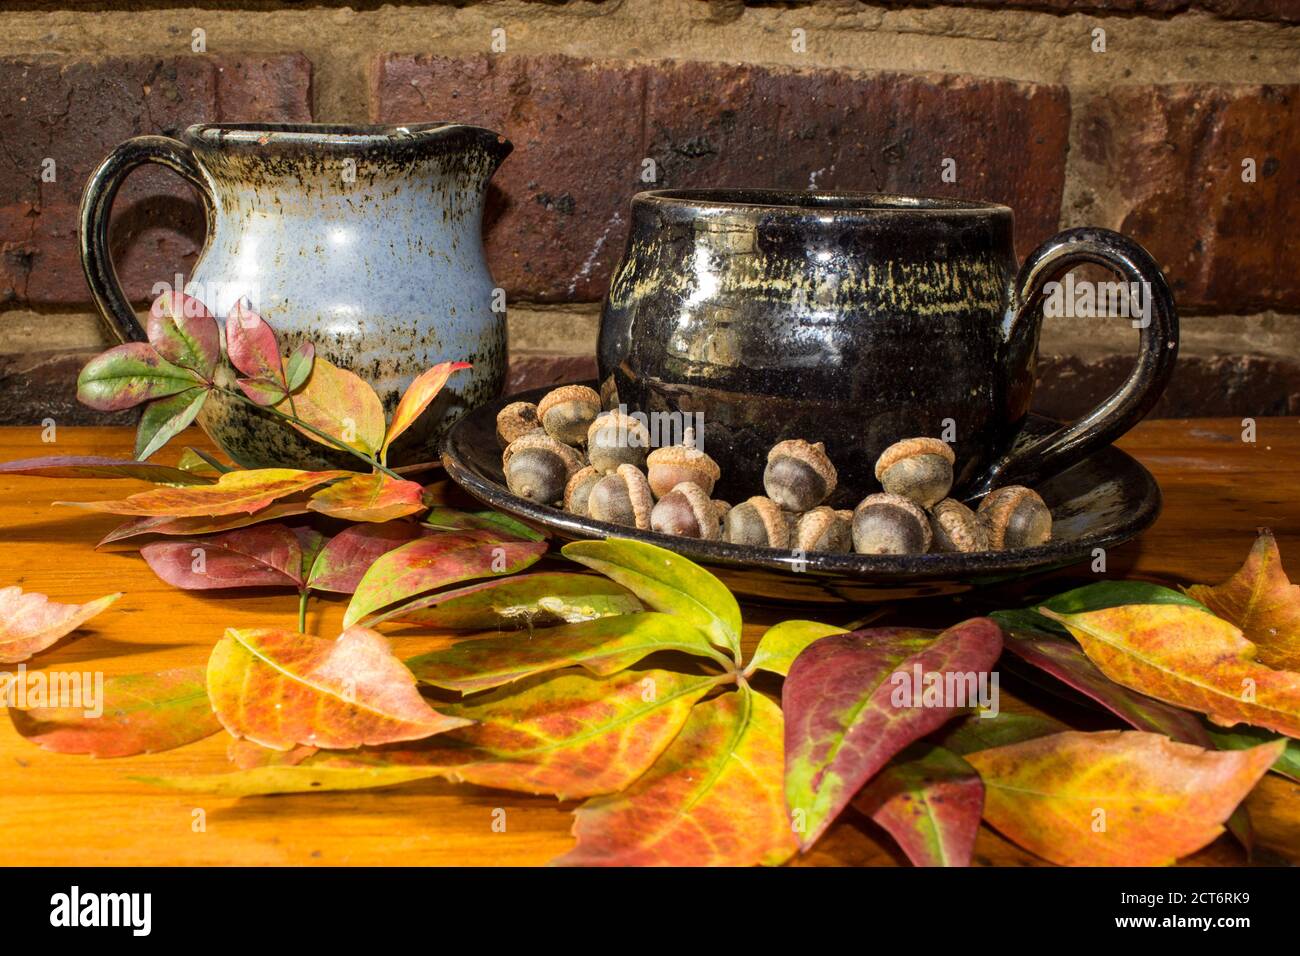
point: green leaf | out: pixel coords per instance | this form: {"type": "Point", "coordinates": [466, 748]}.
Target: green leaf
{"type": "Point", "coordinates": [1092, 597]}
{"type": "Point", "coordinates": [129, 374]}
{"type": "Point", "coordinates": [785, 641]}
{"type": "Point", "coordinates": [166, 418]}
{"type": "Point", "coordinates": [297, 367]}
{"type": "Point", "coordinates": [666, 582]}
{"type": "Point", "coordinates": [1243, 737]}
{"type": "Point", "coordinates": [449, 519]}
{"type": "Point", "coordinates": [603, 646]}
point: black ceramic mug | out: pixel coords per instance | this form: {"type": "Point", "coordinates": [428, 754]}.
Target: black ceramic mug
{"type": "Point", "coordinates": [858, 320]}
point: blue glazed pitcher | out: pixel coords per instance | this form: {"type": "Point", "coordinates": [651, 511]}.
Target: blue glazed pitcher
{"type": "Point", "coordinates": [365, 240]}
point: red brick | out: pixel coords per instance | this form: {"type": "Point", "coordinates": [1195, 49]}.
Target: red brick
{"type": "Point", "coordinates": [1164, 165]}
{"type": "Point", "coordinates": [581, 129]}
{"type": "Point", "coordinates": [1279, 10]}
{"type": "Point", "coordinates": [76, 112]}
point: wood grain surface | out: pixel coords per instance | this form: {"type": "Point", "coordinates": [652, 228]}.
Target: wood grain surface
{"type": "Point", "coordinates": [72, 810]}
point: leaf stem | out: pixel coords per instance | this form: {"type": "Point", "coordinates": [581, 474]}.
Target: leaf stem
{"type": "Point", "coordinates": [302, 610]}
{"type": "Point", "coordinates": [312, 429]}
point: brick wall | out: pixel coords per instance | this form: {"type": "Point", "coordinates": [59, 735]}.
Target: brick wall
{"type": "Point", "coordinates": [1148, 137]}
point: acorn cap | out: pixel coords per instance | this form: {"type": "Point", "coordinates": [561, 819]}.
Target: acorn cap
{"type": "Point", "coordinates": [539, 439]}
{"type": "Point", "coordinates": [705, 514]}
{"type": "Point", "coordinates": [638, 492]}
{"type": "Point", "coordinates": [617, 419]}
{"type": "Point", "coordinates": [567, 393]}
{"type": "Point", "coordinates": [721, 507]}
{"type": "Point", "coordinates": [516, 420]}
{"type": "Point", "coordinates": [1000, 507]}
{"type": "Point", "coordinates": [583, 474]}
{"type": "Point", "coordinates": [812, 454]}
{"type": "Point", "coordinates": [956, 525]}
{"type": "Point", "coordinates": [775, 521]}
{"type": "Point", "coordinates": [816, 524]}
{"type": "Point", "coordinates": [910, 447]}
{"type": "Point", "coordinates": [684, 455]}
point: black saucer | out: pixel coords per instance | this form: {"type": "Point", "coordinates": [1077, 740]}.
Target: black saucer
{"type": "Point", "coordinates": [1102, 501]}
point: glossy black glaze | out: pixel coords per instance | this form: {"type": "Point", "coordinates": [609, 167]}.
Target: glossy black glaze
{"type": "Point", "coordinates": [856, 320]}
{"type": "Point", "coordinates": [1101, 501]}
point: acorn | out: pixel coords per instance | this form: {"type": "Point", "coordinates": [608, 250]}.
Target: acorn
{"type": "Point", "coordinates": [515, 421]}
{"type": "Point", "coordinates": [798, 476]}
{"type": "Point", "coordinates": [672, 465]}
{"type": "Point", "coordinates": [957, 528]}
{"type": "Point", "coordinates": [568, 411]}
{"type": "Point", "coordinates": [578, 489]}
{"type": "Point", "coordinates": [824, 529]}
{"type": "Point", "coordinates": [890, 524]}
{"type": "Point", "coordinates": [720, 508]}
{"type": "Point", "coordinates": [1017, 517]}
{"type": "Point", "coordinates": [687, 511]}
{"type": "Point", "coordinates": [917, 468]}
{"type": "Point", "coordinates": [758, 522]}
{"type": "Point", "coordinates": [537, 467]}
{"type": "Point", "coordinates": [622, 498]}
{"type": "Point", "coordinates": [614, 439]}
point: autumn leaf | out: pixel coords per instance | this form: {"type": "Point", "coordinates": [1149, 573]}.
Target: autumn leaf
{"type": "Point", "coordinates": [416, 399]}
{"type": "Point", "coordinates": [247, 755]}
{"type": "Point", "coordinates": [374, 497]}
{"type": "Point", "coordinates": [141, 713]}
{"type": "Point", "coordinates": [234, 492]}
{"type": "Point", "coordinates": [1067, 663]}
{"type": "Point", "coordinates": [783, 642]}
{"type": "Point", "coordinates": [1261, 600]}
{"type": "Point", "coordinates": [343, 560]}
{"type": "Point", "coordinates": [1115, 798]}
{"type": "Point", "coordinates": [31, 622]}
{"type": "Point", "coordinates": [280, 689]}
{"type": "Point", "coordinates": [1190, 659]}
{"type": "Point", "coordinates": [163, 420]}
{"type": "Point", "coordinates": [185, 333]}
{"type": "Point", "coordinates": [1241, 738]}
{"type": "Point", "coordinates": [298, 366]}
{"type": "Point", "coordinates": [267, 555]}
{"type": "Point", "coordinates": [983, 731]}
{"type": "Point", "coordinates": [341, 405]}
{"type": "Point", "coordinates": [666, 582]}
{"type": "Point", "coordinates": [930, 802]}
{"type": "Point", "coordinates": [712, 799]}
{"type": "Point", "coordinates": [94, 466]}
{"type": "Point", "coordinates": [530, 600]}
{"type": "Point", "coordinates": [127, 375]}
{"type": "Point", "coordinates": [253, 350]}
{"type": "Point", "coordinates": [177, 527]}
{"type": "Point", "coordinates": [430, 563]}
{"type": "Point", "coordinates": [603, 646]}
{"type": "Point", "coordinates": [450, 519]}
{"type": "Point", "coordinates": [850, 706]}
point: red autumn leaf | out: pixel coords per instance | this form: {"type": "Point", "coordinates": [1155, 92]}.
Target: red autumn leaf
{"type": "Point", "coordinates": [251, 345]}
{"type": "Point", "coordinates": [281, 689]}
{"type": "Point", "coordinates": [94, 466]}
{"type": "Point", "coordinates": [1067, 663]}
{"type": "Point", "coordinates": [850, 705]}
{"type": "Point", "coordinates": [261, 392]}
{"type": "Point", "coordinates": [127, 375]}
{"type": "Point", "coordinates": [142, 713]}
{"type": "Point", "coordinates": [247, 755]}
{"type": "Point", "coordinates": [185, 333]}
{"type": "Point", "coordinates": [233, 492]}
{"type": "Point", "coordinates": [712, 799]}
{"type": "Point", "coordinates": [343, 561]}
{"type": "Point", "coordinates": [31, 622]}
{"type": "Point", "coordinates": [416, 399]}
{"type": "Point", "coordinates": [930, 803]}
{"type": "Point", "coordinates": [263, 556]}
{"type": "Point", "coordinates": [430, 563]}
{"type": "Point", "coordinates": [167, 525]}
{"type": "Point", "coordinates": [374, 497]}
{"type": "Point", "coordinates": [1115, 798]}
{"type": "Point", "coordinates": [1261, 600]}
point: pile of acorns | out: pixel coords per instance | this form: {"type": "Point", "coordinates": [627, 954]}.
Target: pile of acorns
{"type": "Point", "coordinates": [669, 489]}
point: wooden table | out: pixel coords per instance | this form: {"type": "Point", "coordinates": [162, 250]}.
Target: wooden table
{"type": "Point", "coordinates": [70, 810]}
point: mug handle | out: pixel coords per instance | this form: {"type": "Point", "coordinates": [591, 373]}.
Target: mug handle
{"type": "Point", "coordinates": [1157, 352]}
{"type": "Point", "coordinates": [97, 203]}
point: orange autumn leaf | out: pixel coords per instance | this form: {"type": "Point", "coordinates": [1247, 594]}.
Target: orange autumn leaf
{"type": "Point", "coordinates": [1115, 798]}
{"type": "Point", "coordinates": [340, 404]}
{"type": "Point", "coordinates": [1261, 600]}
{"type": "Point", "coordinates": [374, 497]}
{"type": "Point", "coordinates": [714, 797]}
{"type": "Point", "coordinates": [31, 622]}
{"type": "Point", "coordinates": [280, 689]}
{"type": "Point", "coordinates": [416, 399]}
{"type": "Point", "coordinates": [234, 492]}
{"type": "Point", "coordinates": [1189, 658]}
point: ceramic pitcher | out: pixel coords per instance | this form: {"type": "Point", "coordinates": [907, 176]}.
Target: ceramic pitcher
{"type": "Point", "coordinates": [365, 240]}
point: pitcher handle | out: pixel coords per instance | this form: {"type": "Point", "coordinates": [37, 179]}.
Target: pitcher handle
{"type": "Point", "coordinates": [1157, 352]}
{"type": "Point", "coordinates": [96, 204]}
